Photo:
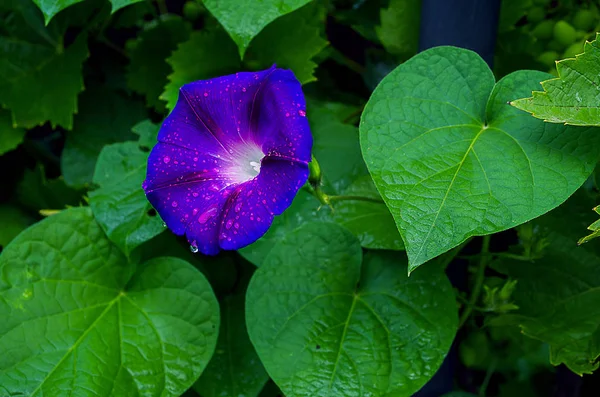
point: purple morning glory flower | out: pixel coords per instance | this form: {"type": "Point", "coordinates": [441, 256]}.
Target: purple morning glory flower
{"type": "Point", "coordinates": [232, 154]}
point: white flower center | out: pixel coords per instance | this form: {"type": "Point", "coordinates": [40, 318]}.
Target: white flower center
{"type": "Point", "coordinates": [246, 164]}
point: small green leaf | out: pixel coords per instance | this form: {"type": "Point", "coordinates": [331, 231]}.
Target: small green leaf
{"type": "Point", "coordinates": [147, 73]}
{"type": "Point", "coordinates": [559, 294]}
{"type": "Point", "coordinates": [243, 23]}
{"type": "Point", "coordinates": [74, 307]}
{"type": "Point", "coordinates": [452, 160]}
{"type": "Point", "coordinates": [106, 117]}
{"type": "Point", "coordinates": [148, 133]}
{"type": "Point", "coordinates": [193, 60]}
{"type": "Point", "coordinates": [290, 42]}
{"type": "Point", "coordinates": [399, 28]}
{"type": "Point", "coordinates": [10, 137]}
{"type": "Point", "coordinates": [52, 7]}
{"type": "Point", "coordinates": [118, 4]}
{"type": "Point", "coordinates": [572, 98]}
{"type": "Point", "coordinates": [50, 75]}
{"type": "Point", "coordinates": [235, 369]}
{"type": "Point", "coordinates": [594, 227]}
{"type": "Point", "coordinates": [326, 324]}
{"type": "Point", "coordinates": [120, 205]}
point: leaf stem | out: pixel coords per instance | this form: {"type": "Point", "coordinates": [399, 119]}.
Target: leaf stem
{"type": "Point", "coordinates": [479, 278]}
{"type": "Point", "coordinates": [357, 198]}
{"type": "Point", "coordinates": [488, 376]}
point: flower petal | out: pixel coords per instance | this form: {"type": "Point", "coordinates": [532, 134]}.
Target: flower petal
{"type": "Point", "coordinates": [251, 208]}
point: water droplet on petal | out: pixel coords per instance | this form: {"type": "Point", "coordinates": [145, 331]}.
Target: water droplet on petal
{"type": "Point", "coordinates": [209, 213]}
{"type": "Point", "coordinates": [166, 159]}
{"type": "Point", "coordinates": [302, 113]}
{"type": "Point", "coordinates": [193, 247]}
{"type": "Point", "coordinates": [238, 207]}
{"type": "Point", "coordinates": [244, 89]}
{"type": "Point", "coordinates": [287, 115]}
{"type": "Point", "coordinates": [174, 204]}
{"type": "Point", "coordinates": [206, 94]}
{"type": "Point", "coordinates": [164, 224]}
{"type": "Point", "coordinates": [228, 224]}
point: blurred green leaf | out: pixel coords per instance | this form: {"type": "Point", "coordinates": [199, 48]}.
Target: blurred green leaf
{"type": "Point", "coordinates": [41, 82]}
{"type": "Point", "coordinates": [399, 28]}
{"type": "Point", "coordinates": [106, 117]}
{"type": "Point", "coordinates": [148, 70]}
{"type": "Point", "coordinates": [557, 295]}
{"type": "Point", "coordinates": [35, 192]}
{"type": "Point", "coordinates": [12, 222]}
{"type": "Point", "coordinates": [10, 137]}
{"type": "Point", "coordinates": [193, 60]}
{"type": "Point", "coordinates": [290, 42]}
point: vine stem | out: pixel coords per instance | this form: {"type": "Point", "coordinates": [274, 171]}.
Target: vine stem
{"type": "Point", "coordinates": [358, 198]}
{"type": "Point", "coordinates": [479, 278]}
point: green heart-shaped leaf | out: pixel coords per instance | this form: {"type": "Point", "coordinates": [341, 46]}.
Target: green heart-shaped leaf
{"type": "Point", "coordinates": [78, 316]}
{"type": "Point", "coordinates": [326, 324]}
{"type": "Point", "coordinates": [453, 160]}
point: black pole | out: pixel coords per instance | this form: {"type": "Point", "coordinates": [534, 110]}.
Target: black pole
{"type": "Point", "coordinates": [471, 24]}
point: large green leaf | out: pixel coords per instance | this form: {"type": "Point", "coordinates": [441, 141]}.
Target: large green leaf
{"type": "Point", "coordinates": [50, 75]}
{"type": "Point", "coordinates": [559, 294]}
{"type": "Point", "coordinates": [106, 117]}
{"type": "Point", "coordinates": [77, 316]}
{"type": "Point", "coordinates": [195, 60]}
{"type": "Point", "coordinates": [290, 42]}
{"type": "Point", "coordinates": [120, 205]}
{"type": "Point", "coordinates": [452, 160]}
{"type": "Point", "coordinates": [244, 22]}
{"type": "Point", "coordinates": [234, 369]}
{"type": "Point", "coordinates": [147, 73]}
{"type": "Point", "coordinates": [10, 137]}
{"type": "Point", "coordinates": [574, 97]}
{"type": "Point", "coordinates": [326, 324]}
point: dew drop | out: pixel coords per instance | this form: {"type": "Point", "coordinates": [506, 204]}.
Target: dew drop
{"type": "Point", "coordinates": [209, 213]}
{"type": "Point", "coordinates": [174, 204]}
{"type": "Point", "coordinates": [166, 159]}
{"type": "Point", "coordinates": [302, 113]}
{"type": "Point", "coordinates": [195, 194]}
{"type": "Point", "coordinates": [238, 207]}
{"type": "Point", "coordinates": [244, 89]}
{"type": "Point", "coordinates": [228, 224]}
{"type": "Point", "coordinates": [206, 94]}
{"type": "Point", "coordinates": [237, 225]}
{"type": "Point", "coordinates": [287, 115]}
{"type": "Point", "coordinates": [164, 224]}
{"type": "Point", "coordinates": [193, 247]}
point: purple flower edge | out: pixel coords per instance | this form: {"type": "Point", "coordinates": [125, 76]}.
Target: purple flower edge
{"type": "Point", "coordinates": [231, 155]}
